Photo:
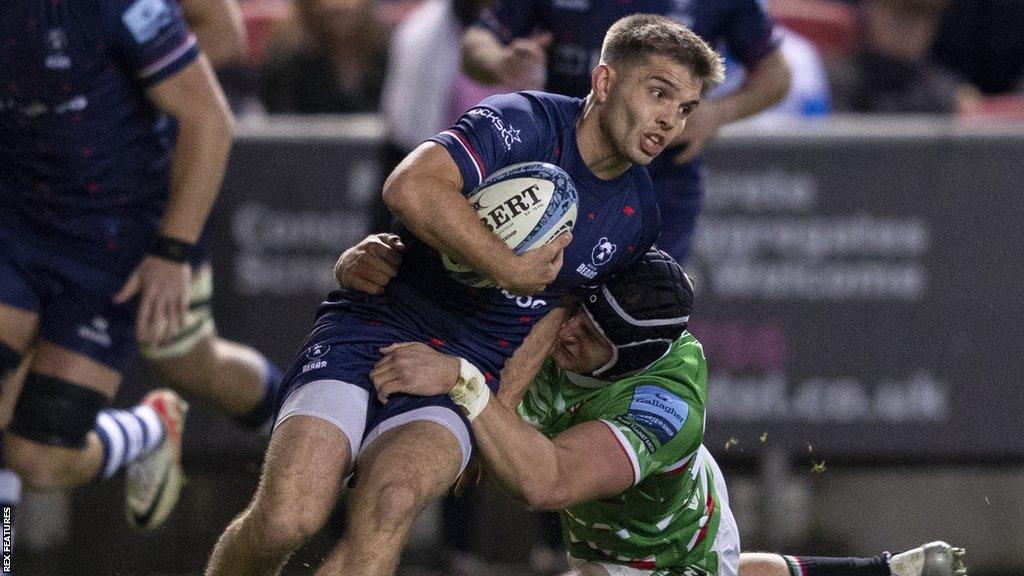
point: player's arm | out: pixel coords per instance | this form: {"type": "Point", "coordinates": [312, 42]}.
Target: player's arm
{"type": "Point", "coordinates": [586, 462]}
{"type": "Point", "coordinates": [526, 361]}
{"type": "Point", "coordinates": [766, 84]}
{"type": "Point", "coordinates": [425, 193]}
{"type": "Point", "coordinates": [517, 66]}
{"type": "Point", "coordinates": [194, 98]}
{"type": "Point", "coordinates": [220, 28]}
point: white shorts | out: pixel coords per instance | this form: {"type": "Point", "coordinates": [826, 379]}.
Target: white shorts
{"type": "Point", "coordinates": [346, 406]}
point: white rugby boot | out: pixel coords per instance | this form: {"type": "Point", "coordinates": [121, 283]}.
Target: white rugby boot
{"type": "Point", "coordinates": [153, 482]}
{"type": "Point", "coordinates": [932, 559]}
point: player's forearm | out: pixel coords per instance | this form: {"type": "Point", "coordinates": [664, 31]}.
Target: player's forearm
{"type": "Point", "coordinates": [525, 460]}
{"type": "Point", "coordinates": [766, 85]}
{"type": "Point", "coordinates": [425, 197]}
{"type": "Point", "coordinates": [482, 55]}
{"type": "Point", "coordinates": [197, 170]}
{"type": "Point", "coordinates": [525, 363]}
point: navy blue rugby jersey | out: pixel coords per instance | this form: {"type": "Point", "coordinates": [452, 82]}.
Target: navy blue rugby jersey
{"type": "Point", "coordinates": [84, 154]}
{"type": "Point", "coordinates": [741, 26]}
{"type": "Point", "coordinates": [618, 220]}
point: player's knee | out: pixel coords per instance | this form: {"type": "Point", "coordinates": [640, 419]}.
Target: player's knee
{"type": "Point", "coordinates": [281, 529]}
{"type": "Point", "coordinates": [54, 412]}
{"type": "Point", "coordinates": [396, 504]}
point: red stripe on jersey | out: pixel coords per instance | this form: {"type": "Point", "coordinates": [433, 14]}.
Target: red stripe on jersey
{"type": "Point", "coordinates": [704, 530]}
{"type": "Point", "coordinates": [624, 451]}
{"type": "Point", "coordinates": [472, 153]}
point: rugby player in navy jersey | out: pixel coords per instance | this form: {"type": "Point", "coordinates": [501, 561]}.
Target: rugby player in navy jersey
{"type": "Point", "coordinates": [410, 450]}
{"type": "Point", "coordinates": [116, 137]}
{"type": "Point", "coordinates": [514, 40]}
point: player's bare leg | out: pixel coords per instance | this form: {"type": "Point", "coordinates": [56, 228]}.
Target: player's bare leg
{"type": "Point", "coordinates": [54, 467]}
{"type": "Point", "coordinates": [306, 462]}
{"type": "Point", "coordinates": [229, 375]}
{"type": "Point", "coordinates": [233, 377]}
{"type": "Point", "coordinates": [399, 473]}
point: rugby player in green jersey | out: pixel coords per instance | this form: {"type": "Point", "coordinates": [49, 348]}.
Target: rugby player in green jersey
{"type": "Point", "coordinates": [610, 433]}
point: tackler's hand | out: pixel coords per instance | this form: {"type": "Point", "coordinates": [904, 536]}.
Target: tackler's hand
{"type": "Point", "coordinates": [414, 368]}
{"type": "Point", "coordinates": [371, 264]}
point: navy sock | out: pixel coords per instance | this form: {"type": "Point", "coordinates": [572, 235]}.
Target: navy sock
{"type": "Point", "coordinates": [824, 566]}
{"type": "Point", "coordinates": [264, 411]}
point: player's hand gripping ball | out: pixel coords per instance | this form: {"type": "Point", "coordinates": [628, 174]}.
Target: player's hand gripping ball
{"type": "Point", "coordinates": [526, 205]}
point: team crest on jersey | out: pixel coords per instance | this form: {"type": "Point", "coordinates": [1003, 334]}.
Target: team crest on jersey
{"type": "Point", "coordinates": [509, 135]}
{"type": "Point", "coordinates": [315, 355]}
{"type": "Point", "coordinates": [145, 18]}
{"type": "Point", "coordinates": [599, 256]}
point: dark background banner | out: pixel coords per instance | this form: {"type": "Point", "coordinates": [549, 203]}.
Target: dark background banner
{"type": "Point", "coordinates": [861, 294]}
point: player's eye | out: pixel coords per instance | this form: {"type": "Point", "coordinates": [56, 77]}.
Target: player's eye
{"type": "Point", "coordinates": [657, 92]}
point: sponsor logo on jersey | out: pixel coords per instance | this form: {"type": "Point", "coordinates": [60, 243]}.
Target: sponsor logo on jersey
{"type": "Point", "coordinates": [642, 433]}
{"type": "Point", "coordinates": [509, 135]}
{"type": "Point", "coordinates": [525, 301]}
{"type": "Point", "coordinates": [658, 410]}
{"type": "Point", "coordinates": [145, 18]}
{"type": "Point", "coordinates": [96, 332]}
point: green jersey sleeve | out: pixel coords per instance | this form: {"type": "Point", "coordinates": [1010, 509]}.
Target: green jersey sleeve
{"type": "Point", "coordinates": [656, 427]}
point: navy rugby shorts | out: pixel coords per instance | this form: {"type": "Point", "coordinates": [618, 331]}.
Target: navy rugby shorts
{"type": "Point", "coordinates": [70, 286]}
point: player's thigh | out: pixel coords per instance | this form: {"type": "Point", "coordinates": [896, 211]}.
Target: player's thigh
{"type": "Point", "coordinates": [422, 455]}
{"type": "Point", "coordinates": [18, 326]}
{"type": "Point", "coordinates": [424, 440]}
{"type": "Point", "coordinates": [306, 462]}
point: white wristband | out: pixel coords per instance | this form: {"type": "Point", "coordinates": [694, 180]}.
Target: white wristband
{"type": "Point", "coordinates": [470, 391]}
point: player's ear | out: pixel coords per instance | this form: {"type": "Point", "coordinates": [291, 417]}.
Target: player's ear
{"type": "Point", "coordinates": [601, 80]}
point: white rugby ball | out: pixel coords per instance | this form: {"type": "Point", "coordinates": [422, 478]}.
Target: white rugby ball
{"type": "Point", "coordinates": [526, 205]}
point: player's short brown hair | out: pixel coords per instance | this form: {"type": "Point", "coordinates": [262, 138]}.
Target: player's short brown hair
{"type": "Point", "coordinates": [641, 35]}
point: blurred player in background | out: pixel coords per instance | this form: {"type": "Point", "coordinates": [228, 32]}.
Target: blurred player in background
{"type": "Point", "coordinates": [235, 378]}
{"type": "Point", "coordinates": [515, 40]}
{"type": "Point", "coordinates": [116, 138]}
{"type": "Point", "coordinates": [411, 450]}
{"type": "Point", "coordinates": [610, 433]}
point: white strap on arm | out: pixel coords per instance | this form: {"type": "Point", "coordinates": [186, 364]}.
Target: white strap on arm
{"type": "Point", "coordinates": [471, 391]}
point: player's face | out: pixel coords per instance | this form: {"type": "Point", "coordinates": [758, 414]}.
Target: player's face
{"type": "Point", "coordinates": [581, 347]}
{"type": "Point", "coordinates": [648, 103]}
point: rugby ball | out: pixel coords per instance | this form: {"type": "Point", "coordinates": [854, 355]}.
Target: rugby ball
{"type": "Point", "coordinates": [526, 205]}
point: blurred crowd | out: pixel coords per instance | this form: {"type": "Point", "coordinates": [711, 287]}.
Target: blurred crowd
{"type": "Point", "coordinates": [401, 57]}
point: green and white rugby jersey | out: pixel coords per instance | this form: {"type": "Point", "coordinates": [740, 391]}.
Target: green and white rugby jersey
{"type": "Point", "coordinates": [668, 519]}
